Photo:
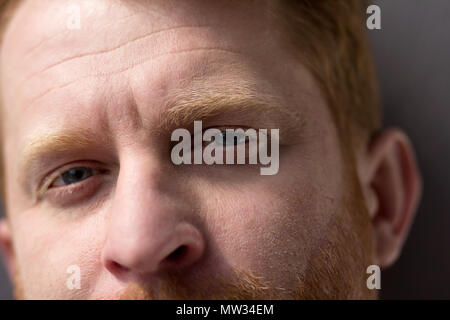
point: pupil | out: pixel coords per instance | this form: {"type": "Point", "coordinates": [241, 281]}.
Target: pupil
{"type": "Point", "coordinates": [76, 175]}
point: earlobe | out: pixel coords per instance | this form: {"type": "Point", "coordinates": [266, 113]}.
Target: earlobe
{"type": "Point", "coordinates": [392, 188]}
{"type": "Point", "coordinates": [7, 247]}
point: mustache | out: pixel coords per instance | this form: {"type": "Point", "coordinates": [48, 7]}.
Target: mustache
{"type": "Point", "coordinates": [243, 286]}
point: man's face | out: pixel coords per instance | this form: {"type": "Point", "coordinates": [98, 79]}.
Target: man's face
{"type": "Point", "coordinates": [104, 99]}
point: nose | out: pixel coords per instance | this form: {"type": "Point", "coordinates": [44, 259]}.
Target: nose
{"type": "Point", "coordinates": [149, 226]}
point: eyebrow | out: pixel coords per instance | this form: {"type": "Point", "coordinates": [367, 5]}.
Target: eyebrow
{"type": "Point", "coordinates": [52, 142]}
{"type": "Point", "coordinates": [57, 141]}
{"type": "Point", "coordinates": [181, 108]}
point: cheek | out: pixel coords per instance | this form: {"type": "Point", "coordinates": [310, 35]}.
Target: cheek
{"type": "Point", "coordinates": [44, 254]}
{"type": "Point", "coordinates": [271, 227]}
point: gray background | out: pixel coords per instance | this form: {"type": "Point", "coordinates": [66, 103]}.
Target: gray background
{"type": "Point", "coordinates": [412, 53]}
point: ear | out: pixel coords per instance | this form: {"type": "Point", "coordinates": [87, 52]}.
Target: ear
{"type": "Point", "coordinates": [6, 246]}
{"type": "Point", "coordinates": [392, 187]}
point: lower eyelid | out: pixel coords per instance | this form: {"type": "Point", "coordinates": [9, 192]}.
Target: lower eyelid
{"type": "Point", "coordinates": [75, 192]}
{"type": "Point", "coordinates": [46, 187]}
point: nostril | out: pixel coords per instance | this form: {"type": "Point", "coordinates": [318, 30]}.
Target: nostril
{"type": "Point", "coordinates": [115, 267]}
{"type": "Point", "coordinates": [178, 254]}
{"type": "Point", "coordinates": [153, 252]}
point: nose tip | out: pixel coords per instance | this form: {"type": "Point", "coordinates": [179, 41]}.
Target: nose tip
{"type": "Point", "coordinates": [133, 257]}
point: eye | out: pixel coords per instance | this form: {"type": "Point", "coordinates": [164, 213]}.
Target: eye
{"type": "Point", "coordinates": [235, 139]}
{"type": "Point", "coordinates": [74, 183]}
{"type": "Point", "coordinates": [73, 175]}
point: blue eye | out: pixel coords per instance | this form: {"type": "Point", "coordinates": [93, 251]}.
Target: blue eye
{"type": "Point", "coordinates": [75, 175]}
{"type": "Point", "coordinates": [238, 138]}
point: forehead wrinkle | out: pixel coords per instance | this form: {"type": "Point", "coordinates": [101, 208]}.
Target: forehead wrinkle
{"type": "Point", "coordinates": [64, 32]}
{"type": "Point", "coordinates": [105, 51]}
{"type": "Point", "coordinates": [68, 31]}
{"type": "Point", "coordinates": [127, 68]}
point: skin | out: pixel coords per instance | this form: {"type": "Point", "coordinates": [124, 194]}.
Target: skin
{"type": "Point", "coordinates": [111, 94]}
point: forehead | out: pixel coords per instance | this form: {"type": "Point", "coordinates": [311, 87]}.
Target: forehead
{"type": "Point", "coordinates": [40, 38]}
{"type": "Point", "coordinates": [133, 50]}
{"type": "Point", "coordinates": [157, 43]}
{"type": "Point", "coordinates": [41, 53]}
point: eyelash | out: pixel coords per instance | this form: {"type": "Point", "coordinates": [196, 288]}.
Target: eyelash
{"type": "Point", "coordinates": [80, 189]}
{"type": "Point", "coordinates": [223, 130]}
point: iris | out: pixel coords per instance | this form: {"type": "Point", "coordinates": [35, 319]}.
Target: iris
{"type": "Point", "coordinates": [75, 175]}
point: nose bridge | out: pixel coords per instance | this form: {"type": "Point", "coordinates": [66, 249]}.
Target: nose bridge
{"type": "Point", "coordinates": [148, 224]}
